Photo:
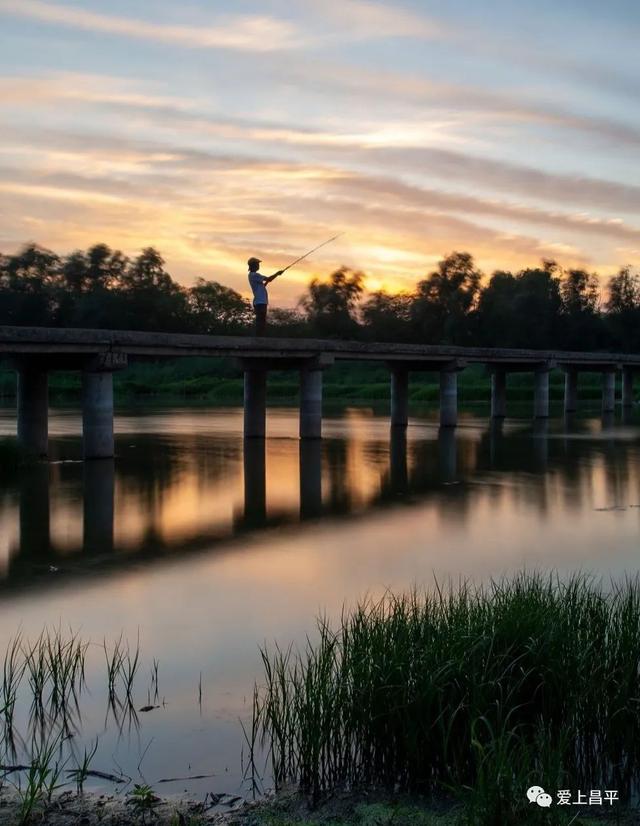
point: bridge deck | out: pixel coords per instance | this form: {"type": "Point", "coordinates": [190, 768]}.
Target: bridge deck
{"type": "Point", "coordinates": [46, 341]}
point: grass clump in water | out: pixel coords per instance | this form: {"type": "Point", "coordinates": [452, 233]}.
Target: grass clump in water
{"type": "Point", "coordinates": [473, 693]}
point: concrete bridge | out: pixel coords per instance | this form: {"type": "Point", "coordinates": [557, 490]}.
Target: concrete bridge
{"type": "Point", "coordinates": [36, 351]}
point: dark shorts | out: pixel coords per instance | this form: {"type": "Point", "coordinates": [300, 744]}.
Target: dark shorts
{"type": "Point", "coordinates": [261, 319]}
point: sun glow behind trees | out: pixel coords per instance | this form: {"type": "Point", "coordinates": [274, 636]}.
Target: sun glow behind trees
{"type": "Point", "coordinates": [537, 307]}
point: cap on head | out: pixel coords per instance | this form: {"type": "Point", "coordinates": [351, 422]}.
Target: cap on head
{"type": "Point", "coordinates": [254, 261]}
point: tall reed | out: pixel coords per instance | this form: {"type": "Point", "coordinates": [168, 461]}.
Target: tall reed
{"type": "Point", "coordinates": [475, 691]}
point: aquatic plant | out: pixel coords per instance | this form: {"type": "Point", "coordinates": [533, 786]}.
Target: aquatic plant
{"type": "Point", "coordinates": [13, 667]}
{"type": "Point", "coordinates": [122, 666]}
{"type": "Point", "coordinates": [474, 692]}
{"type": "Point", "coordinates": [41, 778]}
{"type": "Point", "coordinates": [54, 668]}
{"type": "Point", "coordinates": [81, 771]}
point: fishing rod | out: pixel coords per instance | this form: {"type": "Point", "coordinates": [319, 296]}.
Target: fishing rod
{"type": "Point", "coordinates": [307, 254]}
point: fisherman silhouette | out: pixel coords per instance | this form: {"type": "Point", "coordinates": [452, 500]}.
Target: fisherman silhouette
{"type": "Point", "coordinates": [258, 284]}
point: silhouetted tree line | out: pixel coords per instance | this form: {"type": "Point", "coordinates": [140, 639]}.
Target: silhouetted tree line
{"type": "Point", "coordinates": [541, 307]}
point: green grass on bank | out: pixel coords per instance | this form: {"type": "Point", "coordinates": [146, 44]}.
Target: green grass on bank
{"type": "Point", "coordinates": [358, 814]}
{"type": "Point", "coordinates": [220, 381]}
{"type": "Point", "coordinates": [469, 694]}
{"type": "Point", "coordinates": [393, 814]}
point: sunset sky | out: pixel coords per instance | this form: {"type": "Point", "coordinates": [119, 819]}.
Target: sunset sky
{"type": "Point", "coordinates": [216, 130]}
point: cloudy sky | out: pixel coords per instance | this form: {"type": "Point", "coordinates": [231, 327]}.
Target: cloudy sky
{"type": "Point", "coordinates": [214, 130]}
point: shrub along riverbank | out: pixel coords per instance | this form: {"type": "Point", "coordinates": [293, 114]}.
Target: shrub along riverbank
{"type": "Point", "coordinates": [467, 695]}
{"type": "Point", "coordinates": [219, 381]}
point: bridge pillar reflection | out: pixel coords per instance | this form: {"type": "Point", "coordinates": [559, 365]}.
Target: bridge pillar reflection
{"type": "Point", "coordinates": [541, 444]}
{"type": "Point", "coordinates": [608, 391]}
{"type": "Point", "coordinates": [255, 483]}
{"type": "Point", "coordinates": [310, 478]}
{"type": "Point", "coordinates": [35, 538]}
{"type": "Point", "coordinates": [398, 469]}
{"type": "Point", "coordinates": [98, 506]}
{"type": "Point", "coordinates": [496, 440]}
{"type": "Point", "coordinates": [447, 449]}
{"type": "Point", "coordinates": [33, 408]}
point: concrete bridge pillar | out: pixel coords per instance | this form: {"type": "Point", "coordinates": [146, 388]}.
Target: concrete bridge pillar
{"type": "Point", "coordinates": [627, 388]}
{"type": "Point", "coordinates": [448, 398]}
{"type": "Point", "coordinates": [570, 391]}
{"type": "Point", "coordinates": [541, 393]}
{"type": "Point", "coordinates": [399, 397]}
{"type": "Point", "coordinates": [311, 403]}
{"type": "Point", "coordinates": [255, 402]}
{"type": "Point", "coordinates": [97, 414]}
{"type": "Point", "coordinates": [97, 404]}
{"type": "Point", "coordinates": [608, 391]}
{"type": "Point", "coordinates": [33, 409]}
{"type": "Point", "coordinates": [498, 394]}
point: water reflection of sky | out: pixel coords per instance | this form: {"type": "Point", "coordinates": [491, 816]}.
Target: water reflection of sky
{"type": "Point", "coordinates": [207, 550]}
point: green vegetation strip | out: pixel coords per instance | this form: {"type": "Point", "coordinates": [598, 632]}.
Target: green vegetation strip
{"type": "Point", "coordinates": [472, 694]}
{"type": "Point", "coordinates": [220, 381]}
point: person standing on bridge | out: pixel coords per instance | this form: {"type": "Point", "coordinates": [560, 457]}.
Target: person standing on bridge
{"type": "Point", "coordinates": [258, 284]}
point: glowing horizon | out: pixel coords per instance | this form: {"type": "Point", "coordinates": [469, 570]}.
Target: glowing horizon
{"type": "Point", "coordinates": [508, 132]}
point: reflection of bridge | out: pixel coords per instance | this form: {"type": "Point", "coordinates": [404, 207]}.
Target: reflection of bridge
{"type": "Point", "coordinates": [97, 353]}
{"type": "Point", "coordinates": [98, 549]}
{"type": "Point", "coordinates": [423, 470]}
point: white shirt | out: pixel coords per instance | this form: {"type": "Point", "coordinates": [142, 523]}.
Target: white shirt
{"type": "Point", "coordinates": [257, 283]}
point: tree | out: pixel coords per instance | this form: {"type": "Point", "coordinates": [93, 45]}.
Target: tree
{"type": "Point", "coordinates": [106, 267]}
{"type": "Point", "coordinates": [74, 271]}
{"type": "Point", "coordinates": [387, 317]}
{"type": "Point", "coordinates": [215, 308]}
{"type": "Point", "coordinates": [624, 292]}
{"type": "Point", "coordinates": [580, 292]}
{"type": "Point", "coordinates": [331, 306]}
{"type": "Point", "coordinates": [33, 268]}
{"type": "Point", "coordinates": [147, 271]}
{"type": "Point", "coordinates": [444, 300]}
{"type": "Point", "coordinates": [623, 310]}
{"type": "Point", "coordinates": [286, 322]}
{"type": "Point", "coordinates": [537, 306]}
{"type": "Point", "coordinates": [29, 285]}
{"type": "Point", "coordinates": [151, 298]}
{"type": "Point", "coordinates": [496, 320]}
{"type": "Point", "coordinates": [583, 327]}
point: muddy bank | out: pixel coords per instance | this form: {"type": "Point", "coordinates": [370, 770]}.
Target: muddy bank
{"type": "Point", "coordinates": [288, 809]}
{"type": "Point", "coordinates": [285, 809]}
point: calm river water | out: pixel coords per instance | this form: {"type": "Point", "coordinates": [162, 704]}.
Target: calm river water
{"type": "Point", "coordinates": [204, 551]}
